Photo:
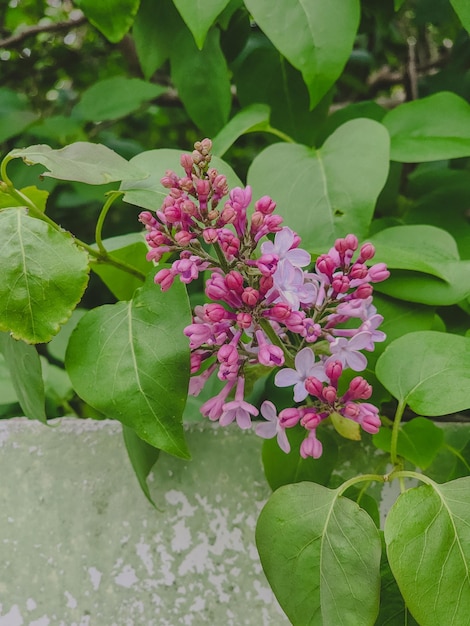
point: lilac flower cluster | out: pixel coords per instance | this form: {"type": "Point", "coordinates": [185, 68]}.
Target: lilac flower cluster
{"type": "Point", "coordinates": [265, 306]}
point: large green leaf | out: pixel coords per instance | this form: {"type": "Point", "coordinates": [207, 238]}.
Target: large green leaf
{"type": "Point", "coordinates": [90, 163]}
{"type": "Point", "coordinates": [419, 441]}
{"type": "Point", "coordinates": [15, 114]}
{"type": "Point", "coordinates": [330, 192]}
{"type": "Point", "coordinates": [434, 272]}
{"type": "Point", "coordinates": [254, 117]}
{"type": "Point", "coordinates": [316, 37]}
{"type": "Point", "coordinates": [429, 129]}
{"type": "Point", "coordinates": [321, 555]}
{"type": "Point", "coordinates": [149, 193]}
{"type": "Point", "coordinates": [462, 8]}
{"type": "Point", "coordinates": [202, 80]}
{"type": "Point", "coordinates": [115, 97]}
{"type": "Point", "coordinates": [26, 376]}
{"type": "Point", "coordinates": [111, 17]}
{"type": "Point", "coordinates": [428, 546]}
{"type": "Point", "coordinates": [44, 276]}
{"type": "Point", "coordinates": [130, 361]}
{"type": "Point", "coordinates": [199, 15]}
{"type": "Point", "coordinates": [142, 456]}
{"type": "Point", "coordinates": [429, 371]}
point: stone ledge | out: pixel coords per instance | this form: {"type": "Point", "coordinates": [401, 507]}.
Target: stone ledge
{"type": "Point", "coordinates": [81, 546]}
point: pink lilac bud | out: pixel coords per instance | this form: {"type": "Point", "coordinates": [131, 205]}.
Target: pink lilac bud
{"type": "Point", "coordinates": [367, 252]}
{"type": "Point", "coordinates": [269, 355]}
{"type": "Point", "coordinates": [183, 237]}
{"type": "Point", "coordinates": [147, 219]}
{"type": "Point", "coordinates": [188, 208]}
{"type": "Point", "coordinates": [310, 446]}
{"type": "Point", "coordinates": [314, 387]}
{"type": "Point", "coordinates": [265, 205]}
{"type": "Point", "coordinates": [203, 188]}
{"type": "Point", "coordinates": [196, 383]}
{"type": "Point", "coordinates": [289, 418]}
{"type": "Point", "coordinates": [369, 419]}
{"type": "Point", "coordinates": [295, 322]}
{"type": "Point", "coordinates": [165, 279]}
{"type": "Point", "coordinates": [340, 284]}
{"type": "Point", "coordinates": [196, 360]}
{"type": "Point", "coordinates": [234, 281]}
{"type": "Point", "coordinates": [187, 269]}
{"type": "Point", "coordinates": [229, 243]}
{"type": "Point", "coordinates": [280, 312]}
{"type": "Point", "coordinates": [364, 291]}
{"type": "Point", "coordinates": [312, 331]}
{"type": "Point", "coordinates": [156, 238]}
{"type": "Point", "coordinates": [204, 146]}
{"type": "Point", "coordinates": [267, 264]}
{"type": "Point", "coordinates": [215, 312]}
{"type": "Point", "coordinates": [346, 244]}
{"type": "Point", "coordinates": [358, 271]}
{"type": "Point", "coordinates": [156, 253]}
{"type": "Point", "coordinates": [212, 215]}
{"type": "Point", "coordinates": [359, 389]}
{"type": "Point", "coordinates": [210, 235]}
{"type": "Point", "coordinates": [351, 410]}
{"type": "Point", "coordinates": [333, 370]}
{"type": "Point", "coordinates": [329, 394]}
{"type": "Point", "coordinates": [227, 216]}
{"type": "Point", "coordinates": [170, 179]}
{"type": "Point", "coordinates": [271, 224]}
{"type": "Point", "coordinates": [310, 419]}
{"type": "Point", "coordinates": [378, 272]}
{"type": "Point", "coordinates": [228, 372]}
{"type": "Point", "coordinates": [265, 284]}
{"type": "Point", "coordinates": [227, 354]}
{"type": "Point", "coordinates": [198, 334]}
{"type": "Point", "coordinates": [257, 220]}
{"type": "Point", "coordinates": [213, 408]}
{"type": "Point", "coordinates": [326, 265]}
{"type": "Point", "coordinates": [186, 162]}
{"type": "Point", "coordinates": [186, 184]}
{"type": "Point", "coordinates": [244, 320]}
{"type": "Point", "coordinates": [250, 296]}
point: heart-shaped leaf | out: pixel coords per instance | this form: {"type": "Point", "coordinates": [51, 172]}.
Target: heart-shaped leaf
{"type": "Point", "coordinates": [429, 371]}
{"type": "Point", "coordinates": [324, 35]}
{"type": "Point", "coordinates": [130, 361]}
{"type": "Point", "coordinates": [327, 193]}
{"type": "Point", "coordinates": [44, 276]}
{"type": "Point", "coordinates": [428, 546]}
{"type": "Point", "coordinates": [199, 15]}
{"type": "Point", "coordinates": [250, 119]}
{"type": "Point", "coordinates": [321, 555]}
{"type": "Point", "coordinates": [90, 163]}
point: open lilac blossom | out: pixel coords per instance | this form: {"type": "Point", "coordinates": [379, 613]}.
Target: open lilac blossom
{"type": "Point", "coordinates": [273, 427]}
{"type": "Point", "coordinates": [290, 286]}
{"type": "Point", "coordinates": [238, 409]}
{"type": "Point", "coordinates": [305, 366]}
{"type": "Point", "coordinates": [348, 351]}
{"type": "Point", "coordinates": [283, 248]}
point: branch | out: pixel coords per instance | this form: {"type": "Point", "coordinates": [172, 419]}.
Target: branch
{"type": "Point", "coordinates": [18, 38]}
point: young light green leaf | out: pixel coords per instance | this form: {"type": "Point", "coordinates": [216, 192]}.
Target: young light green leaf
{"type": "Point", "coordinates": [428, 545]}
{"type": "Point", "coordinates": [115, 97]}
{"type": "Point", "coordinates": [462, 8]}
{"type": "Point", "coordinates": [44, 276]}
{"type": "Point", "coordinates": [250, 119]}
{"type": "Point", "coordinates": [90, 163]}
{"type": "Point", "coordinates": [330, 192]}
{"type": "Point", "coordinates": [419, 441]}
{"type": "Point", "coordinates": [420, 132]}
{"type": "Point", "coordinates": [142, 456]}
{"type": "Point", "coordinates": [453, 459]}
{"type": "Point", "coordinates": [149, 193]}
{"type": "Point", "coordinates": [324, 36]}
{"type": "Point", "coordinates": [283, 469]}
{"type": "Point", "coordinates": [130, 361]}
{"type": "Point", "coordinates": [321, 555]}
{"type": "Point", "coordinates": [199, 15]}
{"type": "Point", "coordinates": [37, 196]}
{"type": "Point", "coordinates": [429, 371]}
{"type": "Point", "coordinates": [435, 274]}
{"type": "Point", "coordinates": [7, 391]}
{"type": "Point", "coordinates": [202, 80]}
{"type": "Point", "coordinates": [111, 17]}
{"type": "Point", "coordinates": [25, 374]}
{"type": "Point", "coordinates": [57, 347]}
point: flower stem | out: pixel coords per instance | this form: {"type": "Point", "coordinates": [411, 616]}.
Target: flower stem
{"type": "Point", "coordinates": [112, 196]}
{"type": "Point", "coordinates": [395, 430]}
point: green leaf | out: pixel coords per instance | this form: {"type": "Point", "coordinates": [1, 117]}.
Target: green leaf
{"type": "Point", "coordinates": [115, 97]}
{"type": "Point", "coordinates": [25, 373]}
{"type": "Point", "coordinates": [453, 459]}
{"type": "Point", "coordinates": [420, 132]}
{"type": "Point", "coordinates": [462, 8]}
{"type": "Point", "coordinates": [327, 193]}
{"type": "Point", "coordinates": [142, 456]}
{"type": "Point", "coordinates": [283, 469]}
{"type": "Point", "coordinates": [155, 28]}
{"type": "Point", "coordinates": [57, 347]}
{"type": "Point", "coordinates": [7, 391]}
{"type": "Point", "coordinates": [199, 15]}
{"type": "Point", "coordinates": [368, 108]}
{"type": "Point", "coordinates": [149, 193]}
{"type": "Point", "coordinates": [57, 385]}
{"type": "Point", "coordinates": [435, 275]}
{"type": "Point", "coordinates": [250, 119]}
{"type": "Point", "coordinates": [130, 249]}
{"type": "Point", "coordinates": [202, 80]}
{"type": "Point", "coordinates": [419, 441]}
{"type": "Point", "coordinates": [38, 196]}
{"type": "Point", "coordinates": [265, 76]}
{"type": "Point", "coordinates": [428, 545]}
{"type": "Point", "coordinates": [113, 18]}
{"type": "Point", "coordinates": [44, 276]}
{"type": "Point", "coordinates": [130, 361]}
{"type": "Point", "coordinates": [316, 37]}
{"type": "Point", "coordinates": [90, 163]}
{"type": "Point", "coordinates": [429, 371]}
{"type": "Point", "coordinates": [321, 555]}
{"type": "Point", "coordinates": [15, 115]}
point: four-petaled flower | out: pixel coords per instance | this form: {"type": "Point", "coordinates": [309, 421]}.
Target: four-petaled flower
{"type": "Point", "coordinates": [272, 427]}
{"type": "Point", "coordinates": [305, 366]}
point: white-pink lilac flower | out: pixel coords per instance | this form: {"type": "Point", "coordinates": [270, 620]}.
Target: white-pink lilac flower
{"type": "Point", "coordinates": [282, 247]}
{"type": "Point", "coordinates": [348, 351]}
{"type": "Point", "coordinates": [289, 286]}
{"type": "Point", "coordinates": [238, 409]}
{"type": "Point", "coordinates": [273, 427]}
{"type": "Point", "coordinates": [305, 366]}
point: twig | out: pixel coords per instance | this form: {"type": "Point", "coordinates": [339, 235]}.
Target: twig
{"type": "Point", "coordinates": [16, 39]}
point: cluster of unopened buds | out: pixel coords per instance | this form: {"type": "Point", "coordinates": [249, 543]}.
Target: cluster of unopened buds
{"type": "Point", "coordinates": [266, 304]}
